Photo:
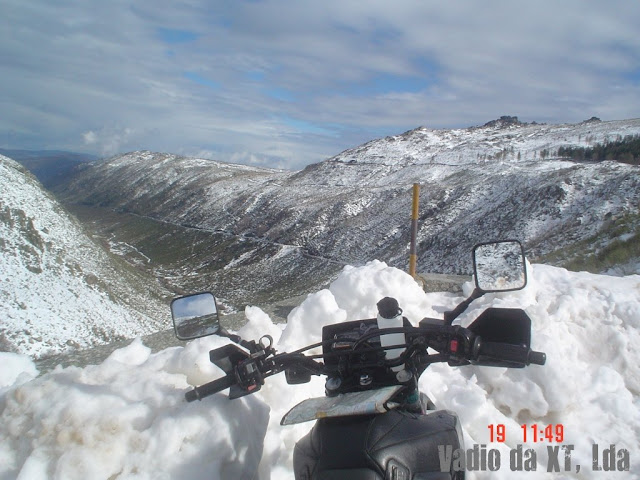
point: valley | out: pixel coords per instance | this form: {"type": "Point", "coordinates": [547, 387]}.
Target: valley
{"type": "Point", "coordinates": [172, 225]}
{"type": "Point", "coordinates": [240, 269]}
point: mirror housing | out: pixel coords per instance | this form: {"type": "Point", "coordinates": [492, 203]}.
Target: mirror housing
{"type": "Point", "coordinates": [195, 316]}
{"type": "Point", "coordinates": [499, 266]}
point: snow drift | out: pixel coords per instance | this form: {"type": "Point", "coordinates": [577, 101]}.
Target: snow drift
{"type": "Point", "coordinates": [127, 418]}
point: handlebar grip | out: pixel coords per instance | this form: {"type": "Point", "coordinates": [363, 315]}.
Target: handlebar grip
{"type": "Point", "coordinates": [537, 358]}
{"type": "Point", "coordinates": [198, 393]}
{"type": "Point", "coordinates": [512, 353]}
{"type": "Point", "coordinates": [505, 351]}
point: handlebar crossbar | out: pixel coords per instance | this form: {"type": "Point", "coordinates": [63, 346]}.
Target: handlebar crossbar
{"type": "Point", "coordinates": [469, 348]}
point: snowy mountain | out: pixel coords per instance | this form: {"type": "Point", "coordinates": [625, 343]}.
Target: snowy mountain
{"type": "Point", "coordinates": [500, 180]}
{"type": "Point", "coordinates": [59, 289]}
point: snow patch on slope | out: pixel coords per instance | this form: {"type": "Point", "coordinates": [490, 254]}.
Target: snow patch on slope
{"type": "Point", "coordinates": [58, 289]}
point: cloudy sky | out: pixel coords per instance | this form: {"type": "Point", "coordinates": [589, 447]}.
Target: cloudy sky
{"type": "Point", "coordinates": [287, 83]}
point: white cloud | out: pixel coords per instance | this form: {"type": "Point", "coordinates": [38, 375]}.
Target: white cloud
{"type": "Point", "coordinates": [109, 141]}
{"type": "Point", "coordinates": [90, 137]}
{"type": "Point", "coordinates": [345, 72]}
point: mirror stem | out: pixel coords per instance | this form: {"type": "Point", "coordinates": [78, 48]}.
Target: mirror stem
{"type": "Point", "coordinates": [451, 315]}
{"type": "Point", "coordinates": [237, 339]}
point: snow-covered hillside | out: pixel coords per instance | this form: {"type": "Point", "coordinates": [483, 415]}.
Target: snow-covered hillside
{"type": "Point", "coordinates": [58, 289]}
{"type": "Point", "coordinates": [495, 181]}
{"type": "Point", "coordinates": [502, 139]}
{"type": "Point", "coordinates": [127, 417]}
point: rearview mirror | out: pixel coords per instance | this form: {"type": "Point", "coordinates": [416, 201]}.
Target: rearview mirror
{"type": "Point", "coordinates": [499, 266]}
{"type": "Point", "coordinates": [195, 316]}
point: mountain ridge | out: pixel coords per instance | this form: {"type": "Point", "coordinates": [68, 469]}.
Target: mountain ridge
{"type": "Point", "coordinates": [478, 183]}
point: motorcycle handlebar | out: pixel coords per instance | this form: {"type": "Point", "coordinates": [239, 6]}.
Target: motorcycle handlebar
{"type": "Point", "coordinates": [478, 350]}
{"type": "Point", "coordinates": [198, 393]}
{"type": "Point", "coordinates": [512, 353]}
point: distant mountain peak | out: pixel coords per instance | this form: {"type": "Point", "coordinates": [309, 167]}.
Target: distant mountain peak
{"type": "Point", "coordinates": [505, 121]}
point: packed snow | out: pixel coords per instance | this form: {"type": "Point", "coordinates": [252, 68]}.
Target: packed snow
{"type": "Point", "coordinates": [127, 417]}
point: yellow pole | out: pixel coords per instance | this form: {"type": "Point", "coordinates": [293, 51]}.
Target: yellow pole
{"type": "Point", "coordinates": [413, 256]}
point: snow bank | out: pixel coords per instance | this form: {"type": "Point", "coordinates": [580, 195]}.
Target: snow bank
{"type": "Point", "coordinates": [16, 369]}
{"type": "Point", "coordinates": [126, 418]}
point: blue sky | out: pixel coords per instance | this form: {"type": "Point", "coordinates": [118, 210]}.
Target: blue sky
{"type": "Point", "coordinates": [287, 83]}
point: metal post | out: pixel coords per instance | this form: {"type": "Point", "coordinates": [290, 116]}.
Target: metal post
{"type": "Point", "coordinates": [413, 257]}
